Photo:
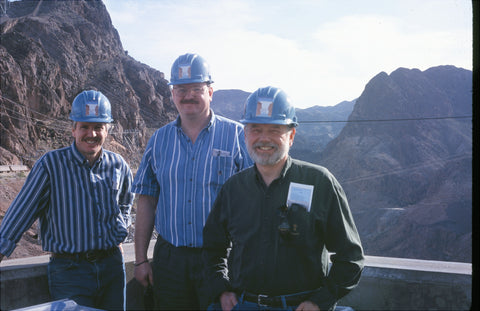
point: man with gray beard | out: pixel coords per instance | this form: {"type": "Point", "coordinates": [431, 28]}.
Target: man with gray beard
{"type": "Point", "coordinates": [267, 238]}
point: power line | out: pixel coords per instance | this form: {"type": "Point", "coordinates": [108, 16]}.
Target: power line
{"type": "Point", "coordinates": [386, 120]}
{"type": "Point", "coordinates": [60, 125]}
{"type": "Point", "coordinates": [300, 122]}
{"type": "Point", "coordinates": [439, 162]}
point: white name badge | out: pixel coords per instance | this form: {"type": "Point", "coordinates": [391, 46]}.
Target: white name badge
{"type": "Point", "coordinates": [300, 194]}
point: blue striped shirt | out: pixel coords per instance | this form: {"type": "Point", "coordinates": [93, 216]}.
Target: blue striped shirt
{"type": "Point", "coordinates": [80, 208]}
{"type": "Point", "coordinates": [186, 177]}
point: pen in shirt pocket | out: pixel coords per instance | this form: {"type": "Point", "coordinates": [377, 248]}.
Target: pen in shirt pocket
{"type": "Point", "coordinates": [220, 153]}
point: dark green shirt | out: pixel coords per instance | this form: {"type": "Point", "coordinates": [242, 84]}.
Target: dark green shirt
{"type": "Point", "coordinates": [246, 216]}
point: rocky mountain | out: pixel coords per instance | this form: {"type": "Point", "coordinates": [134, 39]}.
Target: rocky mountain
{"type": "Point", "coordinates": [405, 161]}
{"type": "Point", "coordinates": [229, 103]}
{"type": "Point", "coordinates": [318, 124]}
{"type": "Point", "coordinates": [52, 50]}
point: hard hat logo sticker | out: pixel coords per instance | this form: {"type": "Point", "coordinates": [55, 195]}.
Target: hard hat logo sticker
{"type": "Point", "coordinates": [91, 110]}
{"type": "Point", "coordinates": [184, 72]}
{"type": "Point", "coordinates": [264, 108]}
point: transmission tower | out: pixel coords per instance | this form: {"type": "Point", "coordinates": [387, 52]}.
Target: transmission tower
{"type": "Point", "coordinates": [3, 7]}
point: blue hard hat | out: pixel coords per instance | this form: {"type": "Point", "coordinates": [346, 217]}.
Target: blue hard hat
{"type": "Point", "coordinates": [190, 68]}
{"type": "Point", "coordinates": [91, 106]}
{"type": "Point", "coordinates": [269, 105]}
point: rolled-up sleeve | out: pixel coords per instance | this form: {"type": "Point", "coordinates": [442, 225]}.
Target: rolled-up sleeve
{"type": "Point", "coordinates": [145, 181]}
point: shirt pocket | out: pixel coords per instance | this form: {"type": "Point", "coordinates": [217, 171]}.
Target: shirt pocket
{"type": "Point", "coordinates": [114, 189]}
{"type": "Point", "coordinates": [222, 168]}
{"type": "Point", "coordinates": [302, 226]}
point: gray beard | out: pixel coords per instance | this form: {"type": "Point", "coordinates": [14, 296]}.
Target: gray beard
{"type": "Point", "coordinates": [280, 153]}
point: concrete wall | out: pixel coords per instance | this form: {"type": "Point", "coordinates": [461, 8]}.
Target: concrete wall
{"type": "Point", "coordinates": [386, 284]}
{"type": "Point", "coordinates": [389, 284]}
{"type": "Point", "coordinates": [13, 168]}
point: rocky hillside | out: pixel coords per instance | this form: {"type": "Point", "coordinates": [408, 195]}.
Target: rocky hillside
{"type": "Point", "coordinates": [29, 245]}
{"type": "Point", "coordinates": [408, 171]}
{"type": "Point", "coordinates": [52, 50]}
{"type": "Point", "coordinates": [229, 103]}
{"type": "Point", "coordinates": [317, 127]}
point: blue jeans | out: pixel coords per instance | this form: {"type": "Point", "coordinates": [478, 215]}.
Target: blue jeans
{"type": "Point", "coordinates": [100, 284]}
{"type": "Point", "coordinates": [246, 305]}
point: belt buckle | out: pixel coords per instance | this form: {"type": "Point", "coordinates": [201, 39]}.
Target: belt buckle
{"type": "Point", "coordinates": [91, 256]}
{"type": "Point", "coordinates": [259, 300]}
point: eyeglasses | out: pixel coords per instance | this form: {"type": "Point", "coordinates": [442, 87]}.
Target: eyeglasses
{"type": "Point", "coordinates": [183, 91]}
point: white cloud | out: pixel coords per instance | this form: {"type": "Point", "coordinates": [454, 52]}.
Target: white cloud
{"type": "Point", "coordinates": [322, 56]}
{"type": "Point", "coordinates": [380, 42]}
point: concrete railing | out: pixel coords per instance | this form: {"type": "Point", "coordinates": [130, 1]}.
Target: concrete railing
{"type": "Point", "coordinates": [386, 284]}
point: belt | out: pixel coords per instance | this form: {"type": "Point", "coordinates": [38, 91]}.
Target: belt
{"type": "Point", "coordinates": [90, 256]}
{"type": "Point", "coordinates": [276, 301]}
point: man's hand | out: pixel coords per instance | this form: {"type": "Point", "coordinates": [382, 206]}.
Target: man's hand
{"type": "Point", "coordinates": [146, 206]}
{"type": "Point", "coordinates": [307, 306]}
{"type": "Point", "coordinates": [228, 300]}
{"type": "Point", "coordinates": [144, 274]}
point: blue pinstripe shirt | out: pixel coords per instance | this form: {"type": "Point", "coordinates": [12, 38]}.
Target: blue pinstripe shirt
{"type": "Point", "coordinates": [186, 177]}
{"type": "Point", "coordinates": [79, 208]}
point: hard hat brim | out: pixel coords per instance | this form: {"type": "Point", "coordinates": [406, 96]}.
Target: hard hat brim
{"type": "Point", "coordinates": [190, 82]}
{"type": "Point", "coordinates": [269, 121]}
{"type": "Point", "coordinates": [92, 120]}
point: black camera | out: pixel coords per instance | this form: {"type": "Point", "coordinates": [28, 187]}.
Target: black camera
{"type": "Point", "coordinates": [288, 226]}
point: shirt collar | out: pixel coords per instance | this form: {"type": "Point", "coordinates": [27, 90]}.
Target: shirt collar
{"type": "Point", "coordinates": [283, 173]}
{"type": "Point", "coordinates": [76, 155]}
{"type": "Point", "coordinates": [286, 167]}
{"type": "Point", "coordinates": [178, 121]}
{"type": "Point", "coordinates": [212, 120]}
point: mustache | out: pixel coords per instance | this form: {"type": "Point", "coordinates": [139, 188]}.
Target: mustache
{"type": "Point", "coordinates": [188, 101]}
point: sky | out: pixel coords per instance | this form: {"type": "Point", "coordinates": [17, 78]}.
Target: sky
{"type": "Point", "coordinates": [320, 52]}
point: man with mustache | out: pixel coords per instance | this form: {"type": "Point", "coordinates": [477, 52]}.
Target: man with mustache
{"type": "Point", "coordinates": [267, 238]}
{"type": "Point", "coordinates": [183, 167]}
{"type": "Point", "coordinates": [81, 195]}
